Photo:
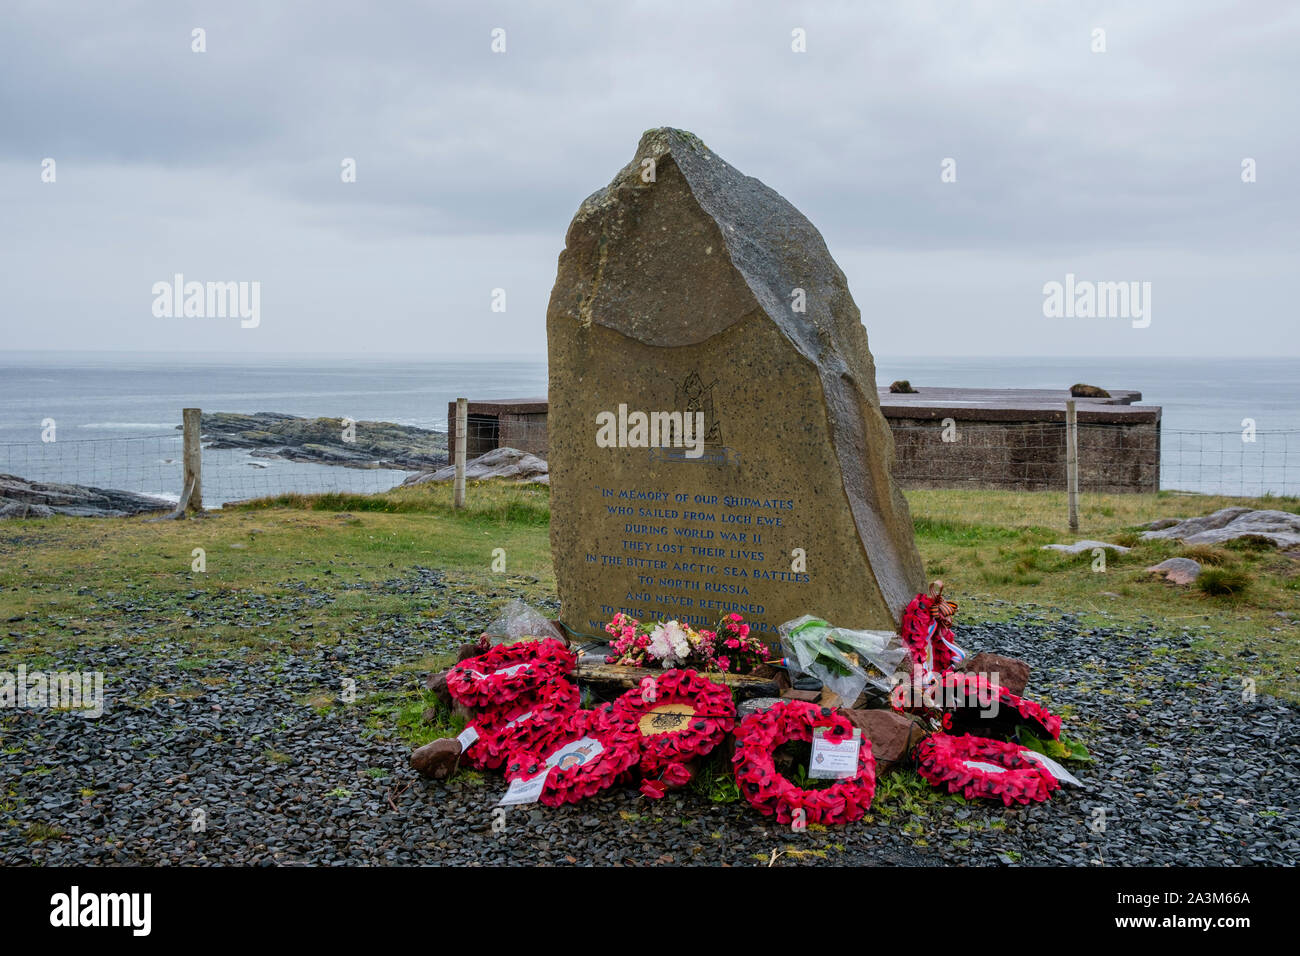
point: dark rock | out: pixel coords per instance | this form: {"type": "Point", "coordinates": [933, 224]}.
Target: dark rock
{"type": "Point", "coordinates": [20, 498]}
{"type": "Point", "coordinates": [321, 440]}
{"type": "Point", "coordinates": [1088, 391]}
{"type": "Point", "coordinates": [437, 682]}
{"type": "Point", "coordinates": [438, 759]}
{"type": "Point", "coordinates": [892, 735]}
{"type": "Point", "coordinates": [1013, 673]}
{"type": "Point", "coordinates": [902, 387]}
{"type": "Point", "coordinates": [472, 649]}
{"type": "Point", "coordinates": [811, 696]}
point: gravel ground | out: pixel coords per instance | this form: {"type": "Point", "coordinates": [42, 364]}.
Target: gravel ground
{"type": "Point", "coordinates": [1186, 770]}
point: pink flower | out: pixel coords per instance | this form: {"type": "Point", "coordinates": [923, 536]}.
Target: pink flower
{"type": "Point", "coordinates": [724, 663]}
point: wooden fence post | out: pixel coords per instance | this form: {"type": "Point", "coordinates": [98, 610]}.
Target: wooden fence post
{"type": "Point", "coordinates": [192, 481]}
{"type": "Point", "coordinates": [462, 418]}
{"type": "Point", "coordinates": [1072, 462]}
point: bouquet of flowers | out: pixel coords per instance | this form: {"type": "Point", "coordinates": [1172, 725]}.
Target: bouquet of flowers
{"type": "Point", "coordinates": [668, 644]}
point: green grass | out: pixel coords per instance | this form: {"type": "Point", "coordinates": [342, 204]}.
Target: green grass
{"type": "Point", "coordinates": [987, 547]}
{"type": "Point", "coordinates": [1224, 582]}
{"type": "Point", "coordinates": [75, 583]}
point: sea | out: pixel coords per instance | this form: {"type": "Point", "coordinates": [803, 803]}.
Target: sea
{"type": "Point", "coordinates": [110, 419]}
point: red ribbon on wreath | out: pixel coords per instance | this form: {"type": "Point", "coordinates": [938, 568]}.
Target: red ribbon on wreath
{"type": "Point", "coordinates": [508, 671]}
{"type": "Point", "coordinates": [580, 774]}
{"type": "Point", "coordinates": [529, 722]}
{"type": "Point", "coordinates": [769, 792]}
{"type": "Point", "coordinates": [965, 700]}
{"type": "Point", "coordinates": [1010, 776]}
{"type": "Point", "coordinates": [927, 633]}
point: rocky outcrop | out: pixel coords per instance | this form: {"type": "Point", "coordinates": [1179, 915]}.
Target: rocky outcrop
{"type": "Point", "coordinates": [20, 498]}
{"type": "Point", "coordinates": [323, 441]}
{"type": "Point", "coordinates": [508, 463]}
{"type": "Point", "coordinates": [1282, 528]}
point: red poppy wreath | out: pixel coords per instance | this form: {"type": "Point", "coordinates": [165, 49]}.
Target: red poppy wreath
{"type": "Point", "coordinates": [679, 715]}
{"type": "Point", "coordinates": [978, 767]}
{"type": "Point", "coordinates": [768, 792]}
{"type": "Point", "coordinates": [508, 671]}
{"type": "Point", "coordinates": [970, 702]}
{"type": "Point", "coordinates": [590, 752]}
{"type": "Point", "coordinates": [529, 722]}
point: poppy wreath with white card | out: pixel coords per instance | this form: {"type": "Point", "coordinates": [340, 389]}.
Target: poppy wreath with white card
{"type": "Point", "coordinates": [770, 793]}
{"type": "Point", "coordinates": [680, 715]}
{"type": "Point", "coordinates": [528, 722]}
{"type": "Point", "coordinates": [979, 767]}
{"type": "Point", "coordinates": [508, 671]}
{"type": "Point", "coordinates": [592, 751]}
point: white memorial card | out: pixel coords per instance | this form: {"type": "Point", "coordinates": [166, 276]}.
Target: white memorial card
{"type": "Point", "coordinates": [525, 791]}
{"type": "Point", "coordinates": [576, 752]}
{"type": "Point", "coordinates": [834, 761]}
{"type": "Point", "coordinates": [1052, 767]}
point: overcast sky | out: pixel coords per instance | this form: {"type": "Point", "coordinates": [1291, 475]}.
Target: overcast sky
{"type": "Point", "coordinates": [225, 165]}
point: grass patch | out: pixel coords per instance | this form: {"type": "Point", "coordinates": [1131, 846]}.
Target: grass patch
{"type": "Point", "coordinates": [1224, 582]}
{"type": "Point", "coordinates": [39, 832]}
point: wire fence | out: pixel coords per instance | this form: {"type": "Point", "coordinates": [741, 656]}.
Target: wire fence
{"type": "Point", "coordinates": [153, 466]}
{"type": "Point", "coordinates": [1113, 458]}
{"type": "Point", "coordinates": [1013, 455]}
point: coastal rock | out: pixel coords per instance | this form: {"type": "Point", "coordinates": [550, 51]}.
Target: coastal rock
{"type": "Point", "coordinates": [1281, 528]}
{"type": "Point", "coordinates": [508, 463]}
{"type": "Point", "coordinates": [20, 498]}
{"type": "Point", "coordinates": [322, 441]}
{"type": "Point", "coordinates": [687, 288]}
{"type": "Point", "coordinates": [1178, 570]}
{"type": "Point", "coordinates": [23, 509]}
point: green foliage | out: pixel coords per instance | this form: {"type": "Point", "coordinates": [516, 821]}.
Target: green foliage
{"type": "Point", "coordinates": [714, 780]}
{"type": "Point", "coordinates": [1063, 749]}
{"type": "Point", "coordinates": [1224, 582]}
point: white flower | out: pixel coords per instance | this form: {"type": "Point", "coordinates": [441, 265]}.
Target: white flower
{"type": "Point", "coordinates": [679, 640]}
{"type": "Point", "coordinates": [659, 645]}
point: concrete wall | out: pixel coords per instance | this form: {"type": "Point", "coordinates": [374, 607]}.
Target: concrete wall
{"type": "Point", "coordinates": [1011, 439]}
{"type": "Point", "coordinates": [1026, 453]}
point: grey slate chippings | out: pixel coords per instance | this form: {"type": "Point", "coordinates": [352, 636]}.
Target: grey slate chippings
{"type": "Point", "coordinates": [1198, 775]}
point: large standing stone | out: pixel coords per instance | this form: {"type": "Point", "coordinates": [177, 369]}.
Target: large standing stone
{"type": "Point", "coordinates": [686, 286]}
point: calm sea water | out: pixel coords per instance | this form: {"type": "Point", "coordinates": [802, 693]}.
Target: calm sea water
{"type": "Point", "coordinates": [110, 411]}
